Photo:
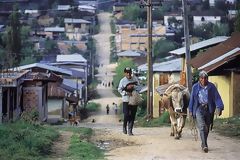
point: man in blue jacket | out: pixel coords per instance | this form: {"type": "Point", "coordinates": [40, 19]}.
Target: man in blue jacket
{"type": "Point", "coordinates": [203, 102]}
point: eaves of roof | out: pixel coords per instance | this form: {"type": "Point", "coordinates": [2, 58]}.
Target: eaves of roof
{"type": "Point", "coordinates": [199, 45]}
{"type": "Point", "coordinates": [210, 66]}
{"type": "Point", "coordinates": [45, 66]}
{"type": "Point", "coordinates": [217, 51]}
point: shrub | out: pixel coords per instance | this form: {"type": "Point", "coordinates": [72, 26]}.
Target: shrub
{"type": "Point", "coordinates": [23, 140]}
{"type": "Point", "coordinates": [92, 107]}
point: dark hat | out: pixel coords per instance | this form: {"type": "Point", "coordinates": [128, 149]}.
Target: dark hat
{"type": "Point", "coordinates": [127, 70]}
{"type": "Point", "coordinates": [203, 74]}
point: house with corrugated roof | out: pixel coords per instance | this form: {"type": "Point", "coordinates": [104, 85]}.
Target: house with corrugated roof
{"type": "Point", "coordinates": [133, 38]}
{"type": "Point", "coordinates": [64, 46]}
{"type": "Point", "coordinates": [139, 57]}
{"type": "Point", "coordinates": [78, 65]}
{"type": "Point", "coordinates": [194, 50]}
{"type": "Point", "coordinates": [222, 62]}
{"type": "Point", "coordinates": [54, 32]}
{"type": "Point", "coordinates": [11, 104]}
{"type": "Point", "coordinates": [44, 83]}
{"type": "Point", "coordinates": [76, 27]}
{"type": "Point", "coordinates": [87, 8]}
{"type": "Point", "coordinates": [207, 16]}
{"type": "Point", "coordinates": [167, 72]}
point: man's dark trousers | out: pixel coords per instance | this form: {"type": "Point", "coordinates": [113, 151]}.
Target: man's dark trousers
{"type": "Point", "coordinates": [129, 112]}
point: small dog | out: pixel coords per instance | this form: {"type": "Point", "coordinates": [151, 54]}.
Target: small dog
{"type": "Point", "coordinates": [73, 122]}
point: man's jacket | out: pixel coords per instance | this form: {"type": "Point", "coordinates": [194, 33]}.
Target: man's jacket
{"type": "Point", "coordinates": [123, 84]}
{"type": "Point", "coordinates": [214, 99]}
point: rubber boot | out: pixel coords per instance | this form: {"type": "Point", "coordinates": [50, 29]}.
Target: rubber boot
{"type": "Point", "coordinates": [125, 127]}
{"type": "Point", "coordinates": [130, 127]}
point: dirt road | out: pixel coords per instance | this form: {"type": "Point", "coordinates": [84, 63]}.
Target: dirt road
{"type": "Point", "coordinates": [147, 143]}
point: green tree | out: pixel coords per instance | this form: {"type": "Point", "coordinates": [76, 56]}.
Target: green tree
{"type": "Point", "coordinates": [220, 29]}
{"type": "Point", "coordinates": [73, 49]}
{"type": "Point", "coordinates": [140, 22]}
{"type": "Point", "coordinates": [172, 21]}
{"type": "Point", "coordinates": [157, 14]}
{"type": "Point", "coordinates": [13, 38]}
{"type": "Point", "coordinates": [162, 47]}
{"type": "Point", "coordinates": [2, 57]}
{"type": "Point", "coordinates": [50, 45]}
{"type": "Point", "coordinates": [237, 22]}
{"type": "Point", "coordinates": [132, 12]}
{"type": "Point", "coordinates": [205, 31]}
{"type": "Point", "coordinates": [205, 5]}
{"type": "Point", "coordinates": [222, 6]}
{"type": "Point", "coordinates": [122, 63]}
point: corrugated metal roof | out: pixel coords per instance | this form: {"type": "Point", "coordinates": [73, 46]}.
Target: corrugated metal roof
{"type": "Point", "coordinates": [71, 58]}
{"type": "Point", "coordinates": [217, 51]}
{"type": "Point", "coordinates": [54, 29]}
{"type": "Point", "coordinates": [72, 84]}
{"type": "Point", "coordinates": [30, 11]}
{"type": "Point", "coordinates": [167, 66]}
{"type": "Point", "coordinates": [220, 58]}
{"type": "Point", "coordinates": [73, 63]}
{"type": "Point", "coordinates": [63, 7]}
{"type": "Point", "coordinates": [131, 53]}
{"type": "Point", "coordinates": [45, 66]}
{"type": "Point", "coordinates": [86, 7]}
{"type": "Point", "coordinates": [230, 56]}
{"type": "Point", "coordinates": [72, 20]}
{"type": "Point", "coordinates": [199, 45]}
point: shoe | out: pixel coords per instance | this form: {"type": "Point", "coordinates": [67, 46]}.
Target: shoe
{"type": "Point", "coordinates": [124, 130]}
{"type": "Point", "coordinates": [205, 149]}
{"type": "Point", "coordinates": [130, 133]}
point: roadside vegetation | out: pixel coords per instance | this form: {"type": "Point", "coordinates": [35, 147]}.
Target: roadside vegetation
{"type": "Point", "coordinates": [113, 50]}
{"type": "Point", "coordinates": [93, 107]}
{"type": "Point", "coordinates": [80, 145]}
{"type": "Point", "coordinates": [229, 127]}
{"type": "Point", "coordinates": [25, 140]}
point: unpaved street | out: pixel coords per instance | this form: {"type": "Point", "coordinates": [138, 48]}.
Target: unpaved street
{"type": "Point", "coordinates": [147, 143]}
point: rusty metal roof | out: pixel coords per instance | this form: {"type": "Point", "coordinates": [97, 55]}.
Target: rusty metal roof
{"type": "Point", "coordinates": [215, 55]}
{"type": "Point", "coordinates": [220, 60]}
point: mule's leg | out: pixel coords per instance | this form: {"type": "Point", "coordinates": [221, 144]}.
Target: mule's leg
{"type": "Point", "coordinates": [174, 125]}
{"type": "Point", "coordinates": [172, 130]}
{"type": "Point", "coordinates": [173, 121]}
{"type": "Point", "coordinates": [182, 120]}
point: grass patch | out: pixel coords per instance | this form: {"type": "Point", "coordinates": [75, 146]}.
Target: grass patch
{"type": "Point", "coordinates": [83, 150]}
{"type": "Point", "coordinates": [229, 127]}
{"type": "Point", "coordinates": [93, 107]}
{"type": "Point", "coordinates": [78, 130]}
{"type": "Point", "coordinates": [80, 147]}
{"type": "Point", "coordinates": [24, 141]}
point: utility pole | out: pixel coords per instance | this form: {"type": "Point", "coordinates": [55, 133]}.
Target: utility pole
{"type": "Point", "coordinates": [149, 58]}
{"type": "Point", "coordinates": [187, 47]}
{"type": "Point", "coordinates": [149, 61]}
